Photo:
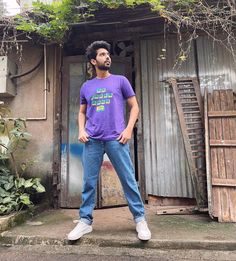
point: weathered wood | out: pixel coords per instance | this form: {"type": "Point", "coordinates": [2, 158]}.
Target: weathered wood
{"type": "Point", "coordinates": [207, 147]}
{"type": "Point", "coordinates": [219, 105]}
{"type": "Point", "coordinates": [224, 182]}
{"type": "Point", "coordinates": [231, 193]}
{"type": "Point", "coordinates": [173, 210]}
{"type": "Point", "coordinates": [222, 142]}
{"type": "Point", "coordinates": [213, 114]}
{"type": "Point", "coordinates": [190, 121]}
{"type": "Point", "coordinates": [214, 161]}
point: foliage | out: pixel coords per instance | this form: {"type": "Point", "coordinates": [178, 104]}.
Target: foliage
{"type": "Point", "coordinates": [15, 191]}
{"type": "Point", "coordinates": [51, 21]}
{"type": "Point", "coordinates": [189, 18]}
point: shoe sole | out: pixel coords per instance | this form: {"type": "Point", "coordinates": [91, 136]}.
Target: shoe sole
{"type": "Point", "coordinates": [144, 238]}
{"type": "Point", "coordinates": [89, 230]}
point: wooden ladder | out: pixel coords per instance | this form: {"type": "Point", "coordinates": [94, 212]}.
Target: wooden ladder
{"type": "Point", "coordinates": [190, 112]}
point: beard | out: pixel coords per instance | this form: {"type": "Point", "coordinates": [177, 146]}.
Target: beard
{"type": "Point", "coordinates": [103, 67]}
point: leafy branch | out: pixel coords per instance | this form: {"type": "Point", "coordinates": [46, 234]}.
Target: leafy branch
{"type": "Point", "coordinates": [189, 18]}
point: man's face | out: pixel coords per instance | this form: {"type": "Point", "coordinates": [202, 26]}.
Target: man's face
{"type": "Point", "coordinates": [103, 60]}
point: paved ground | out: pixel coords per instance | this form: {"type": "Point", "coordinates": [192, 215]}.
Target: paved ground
{"type": "Point", "coordinates": [115, 228]}
{"type": "Point", "coordinates": [87, 253]}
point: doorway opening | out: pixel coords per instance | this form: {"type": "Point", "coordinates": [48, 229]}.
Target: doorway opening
{"type": "Point", "coordinates": [75, 72]}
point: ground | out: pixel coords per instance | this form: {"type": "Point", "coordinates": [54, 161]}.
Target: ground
{"type": "Point", "coordinates": [174, 238]}
{"type": "Point", "coordinates": [87, 253]}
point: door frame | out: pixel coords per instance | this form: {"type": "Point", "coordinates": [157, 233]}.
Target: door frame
{"type": "Point", "coordinates": [66, 201]}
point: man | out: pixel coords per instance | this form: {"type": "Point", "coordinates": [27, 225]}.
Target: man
{"type": "Point", "coordinates": [102, 129]}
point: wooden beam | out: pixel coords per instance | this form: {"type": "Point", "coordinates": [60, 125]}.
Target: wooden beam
{"type": "Point", "coordinates": [223, 143]}
{"type": "Point", "coordinates": [224, 182]}
{"type": "Point", "coordinates": [214, 114]}
{"type": "Point", "coordinates": [175, 210]}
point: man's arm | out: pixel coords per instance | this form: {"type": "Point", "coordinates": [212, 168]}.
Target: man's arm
{"type": "Point", "coordinates": [134, 111]}
{"type": "Point", "coordinates": [83, 135]}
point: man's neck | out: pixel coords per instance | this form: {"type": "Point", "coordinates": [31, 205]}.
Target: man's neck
{"type": "Point", "coordinates": [102, 74]}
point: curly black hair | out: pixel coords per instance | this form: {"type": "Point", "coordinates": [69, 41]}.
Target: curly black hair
{"type": "Point", "coordinates": [91, 51]}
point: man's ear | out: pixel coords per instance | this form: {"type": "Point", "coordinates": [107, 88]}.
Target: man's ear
{"type": "Point", "coordinates": [93, 61]}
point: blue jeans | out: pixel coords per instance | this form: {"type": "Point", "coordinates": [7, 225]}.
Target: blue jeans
{"type": "Point", "coordinates": [119, 156]}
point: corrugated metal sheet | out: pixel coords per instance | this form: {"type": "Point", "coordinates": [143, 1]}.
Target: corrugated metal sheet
{"type": "Point", "coordinates": [216, 66]}
{"type": "Point", "coordinates": [166, 168]}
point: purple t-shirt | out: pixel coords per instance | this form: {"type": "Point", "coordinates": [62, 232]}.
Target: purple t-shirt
{"type": "Point", "coordinates": [105, 106]}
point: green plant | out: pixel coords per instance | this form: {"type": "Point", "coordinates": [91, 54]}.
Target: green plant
{"type": "Point", "coordinates": [52, 21]}
{"type": "Point", "coordinates": [188, 19]}
{"type": "Point", "coordinates": [15, 190]}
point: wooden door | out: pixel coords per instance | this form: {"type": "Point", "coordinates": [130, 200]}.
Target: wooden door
{"type": "Point", "coordinates": [220, 122]}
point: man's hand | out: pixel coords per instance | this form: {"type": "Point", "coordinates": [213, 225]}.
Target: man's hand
{"type": "Point", "coordinates": [83, 136]}
{"type": "Point", "coordinates": [125, 136]}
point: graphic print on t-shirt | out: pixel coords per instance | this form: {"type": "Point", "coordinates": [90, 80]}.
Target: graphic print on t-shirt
{"type": "Point", "coordinates": [101, 98]}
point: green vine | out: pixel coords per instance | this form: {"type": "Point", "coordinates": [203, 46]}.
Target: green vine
{"type": "Point", "coordinates": [52, 21]}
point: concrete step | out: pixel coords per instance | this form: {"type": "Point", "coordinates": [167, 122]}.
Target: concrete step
{"type": "Point", "coordinates": [115, 228]}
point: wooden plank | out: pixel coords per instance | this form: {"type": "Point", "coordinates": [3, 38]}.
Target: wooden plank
{"type": "Point", "coordinates": [195, 128]}
{"type": "Point", "coordinates": [230, 156]}
{"type": "Point", "coordinates": [187, 99]}
{"type": "Point", "coordinates": [192, 112]}
{"type": "Point", "coordinates": [193, 117]}
{"type": "Point", "coordinates": [191, 107]}
{"type": "Point", "coordinates": [207, 148]}
{"type": "Point", "coordinates": [198, 95]}
{"type": "Point", "coordinates": [224, 182]}
{"type": "Point", "coordinates": [169, 210]}
{"type": "Point", "coordinates": [232, 129]}
{"type": "Point", "coordinates": [214, 114]}
{"type": "Point", "coordinates": [187, 92]}
{"type": "Point", "coordinates": [215, 209]}
{"type": "Point", "coordinates": [225, 215]}
{"type": "Point", "coordinates": [188, 102]}
{"type": "Point", "coordinates": [223, 143]}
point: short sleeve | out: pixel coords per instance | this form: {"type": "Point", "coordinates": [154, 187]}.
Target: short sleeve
{"type": "Point", "coordinates": [82, 96]}
{"type": "Point", "coordinates": [126, 88]}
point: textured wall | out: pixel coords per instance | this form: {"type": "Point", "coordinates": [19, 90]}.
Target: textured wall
{"type": "Point", "coordinates": [29, 103]}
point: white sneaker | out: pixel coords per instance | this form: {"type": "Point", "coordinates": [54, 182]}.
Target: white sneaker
{"type": "Point", "coordinates": [143, 231]}
{"type": "Point", "coordinates": [80, 230]}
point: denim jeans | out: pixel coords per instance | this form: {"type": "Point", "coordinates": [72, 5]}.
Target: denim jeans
{"type": "Point", "coordinates": [119, 156]}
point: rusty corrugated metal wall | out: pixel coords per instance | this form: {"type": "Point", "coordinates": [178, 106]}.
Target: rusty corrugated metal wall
{"type": "Point", "coordinates": [216, 66]}
{"type": "Point", "coordinates": [166, 168]}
